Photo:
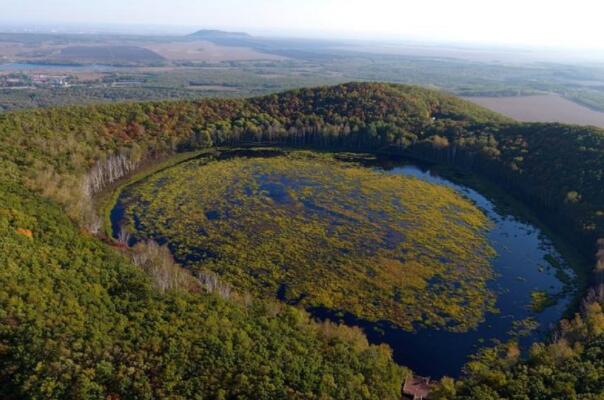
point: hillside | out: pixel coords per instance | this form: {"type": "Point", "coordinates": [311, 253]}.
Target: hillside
{"type": "Point", "coordinates": [80, 319]}
{"type": "Point", "coordinates": [224, 38]}
{"type": "Point", "coordinates": [217, 34]}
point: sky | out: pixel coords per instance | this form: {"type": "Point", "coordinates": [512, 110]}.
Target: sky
{"type": "Point", "coordinates": [552, 23]}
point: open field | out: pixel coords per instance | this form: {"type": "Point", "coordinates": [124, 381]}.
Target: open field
{"type": "Point", "coordinates": [91, 68]}
{"type": "Point", "coordinates": [204, 51]}
{"type": "Point", "coordinates": [108, 54]}
{"type": "Point", "coordinates": [542, 108]}
{"type": "Point", "coordinates": [103, 53]}
{"type": "Point", "coordinates": [122, 50]}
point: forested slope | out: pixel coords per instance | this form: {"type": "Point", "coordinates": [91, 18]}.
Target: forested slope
{"type": "Point", "coordinates": [80, 320]}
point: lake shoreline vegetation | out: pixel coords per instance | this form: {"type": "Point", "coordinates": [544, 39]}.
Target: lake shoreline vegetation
{"type": "Point", "coordinates": [53, 162]}
{"type": "Point", "coordinates": [106, 200]}
{"type": "Point", "coordinates": [295, 217]}
{"type": "Point", "coordinates": [503, 201]}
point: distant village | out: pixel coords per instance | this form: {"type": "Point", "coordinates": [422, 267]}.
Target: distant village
{"type": "Point", "coordinates": [48, 80]}
{"type": "Point", "coordinates": [35, 80]}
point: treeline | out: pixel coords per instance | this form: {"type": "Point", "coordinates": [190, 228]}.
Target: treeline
{"type": "Point", "coordinates": [66, 299]}
{"type": "Point", "coordinates": [554, 167]}
{"type": "Point", "coordinates": [11, 99]}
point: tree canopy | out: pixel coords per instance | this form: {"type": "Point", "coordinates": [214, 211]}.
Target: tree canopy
{"type": "Point", "coordinates": [80, 320]}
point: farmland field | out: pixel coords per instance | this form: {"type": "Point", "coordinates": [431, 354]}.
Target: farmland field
{"type": "Point", "coordinates": [223, 64]}
{"type": "Point", "coordinates": [204, 51]}
{"type": "Point", "coordinates": [542, 108]}
{"type": "Point", "coordinates": [108, 54]}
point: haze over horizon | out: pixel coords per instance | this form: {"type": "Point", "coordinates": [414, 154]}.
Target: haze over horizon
{"type": "Point", "coordinates": [515, 22]}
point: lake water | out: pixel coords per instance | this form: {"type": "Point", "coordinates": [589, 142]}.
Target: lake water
{"type": "Point", "coordinates": [526, 262]}
{"type": "Point", "coordinates": [521, 268]}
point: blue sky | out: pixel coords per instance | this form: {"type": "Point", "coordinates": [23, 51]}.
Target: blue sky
{"type": "Point", "coordinates": [565, 23]}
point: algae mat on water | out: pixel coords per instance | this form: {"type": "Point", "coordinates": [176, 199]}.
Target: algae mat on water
{"type": "Point", "coordinates": [318, 231]}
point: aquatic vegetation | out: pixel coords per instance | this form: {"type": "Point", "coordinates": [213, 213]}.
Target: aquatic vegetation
{"type": "Point", "coordinates": [524, 327]}
{"type": "Point", "coordinates": [540, 300]}
{"type": "Point", "coordinates": [316, 231]}
{"type": "Point", "coordinates": [81, 321]}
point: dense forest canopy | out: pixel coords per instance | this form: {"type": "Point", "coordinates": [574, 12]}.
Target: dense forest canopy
{"type": "Point", "coordinates": [80, 319]}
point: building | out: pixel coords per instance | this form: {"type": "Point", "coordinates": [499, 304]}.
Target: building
{"type": "Point", "coordinates": [417, 388]}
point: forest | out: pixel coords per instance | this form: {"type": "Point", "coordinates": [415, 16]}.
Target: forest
{"type": "Point", "coordinates": [83, 317]}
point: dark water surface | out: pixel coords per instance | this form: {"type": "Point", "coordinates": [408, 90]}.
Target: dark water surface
{"type": "Point", "coordinates": [522, 267]}
{"type": "Point", "coordinates": [526, 262]}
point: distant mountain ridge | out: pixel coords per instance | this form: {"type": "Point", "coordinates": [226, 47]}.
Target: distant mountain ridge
{"type": "Point", "coordinates": [218, 34]}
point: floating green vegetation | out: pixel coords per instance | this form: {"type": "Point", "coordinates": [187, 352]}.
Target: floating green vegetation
{"type": "Point", "coordinates": [541, 300]}
{"type": "Point", "coordinates": [524, 327]}
{"type": "Point", "coordinates": [316, 231]}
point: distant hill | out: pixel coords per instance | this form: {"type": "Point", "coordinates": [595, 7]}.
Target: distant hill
{"type": "Point", "coordinates": [212, 34]}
